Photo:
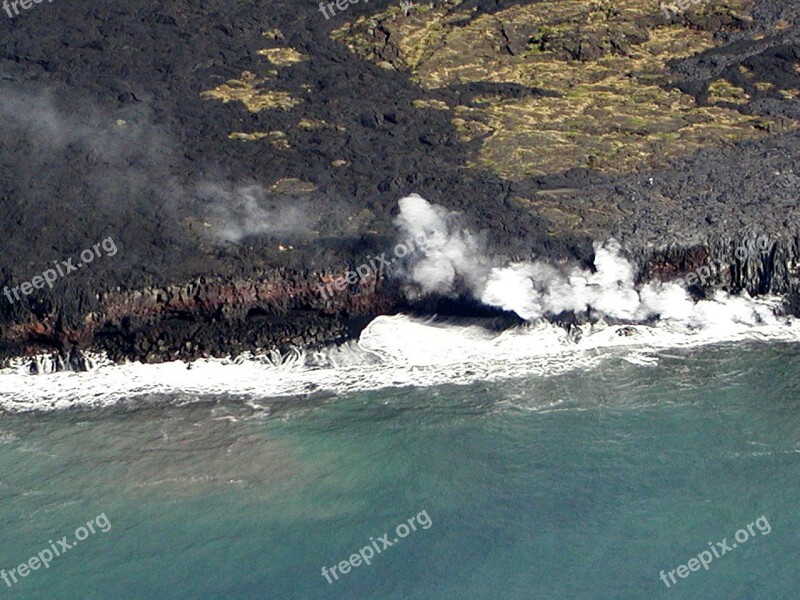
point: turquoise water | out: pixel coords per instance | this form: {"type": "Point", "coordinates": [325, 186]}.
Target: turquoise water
{"type": "Point", "coordinates": [578, 486]}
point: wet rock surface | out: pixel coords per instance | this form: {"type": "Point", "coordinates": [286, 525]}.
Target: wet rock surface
{"type": "Point", "coordinates": [241, 154]}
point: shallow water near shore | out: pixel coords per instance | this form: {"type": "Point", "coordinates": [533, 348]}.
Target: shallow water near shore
{"type": "Point", "coordinates": [584, 484]}
{"type": "Point", "coordinates": [396, 351]}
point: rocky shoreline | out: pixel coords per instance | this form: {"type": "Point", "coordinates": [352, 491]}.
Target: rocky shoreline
{"type": "Point", "coordinates": [285, 310]}
{"type": "Point", "coordinates": [242, 156]}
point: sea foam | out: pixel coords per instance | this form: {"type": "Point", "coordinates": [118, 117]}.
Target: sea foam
{"type": "Point", "coordinates": [398, 351]}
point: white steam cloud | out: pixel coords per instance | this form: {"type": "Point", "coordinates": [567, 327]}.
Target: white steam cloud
{"type": "Point", "coordinates": [451, 255]}
{"type": "Point", "coordinates": [237, 212]}
{"type": "Point", "coordinates": [125, 169]}
{"type": "Point", "coordinates": [450, 260]}
{"type": "Point", "coordinates": [121, 159]}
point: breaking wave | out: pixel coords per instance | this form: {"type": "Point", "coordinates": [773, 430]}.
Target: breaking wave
{"type": "Point", "coordinates": [400, 351]}
{"type": "Point", "coordinates": [403, 351]}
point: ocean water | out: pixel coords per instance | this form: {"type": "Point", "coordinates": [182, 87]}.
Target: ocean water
{"type": "Point", "coordinates": [586, 482]}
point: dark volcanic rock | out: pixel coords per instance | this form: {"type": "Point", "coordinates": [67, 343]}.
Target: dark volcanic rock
{"type": "Point", "coordinates": [240, 153]}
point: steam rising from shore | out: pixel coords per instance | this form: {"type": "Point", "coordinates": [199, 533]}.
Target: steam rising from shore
{"type": "Point", "coordinates": [450, 256]}
{"type": "Point", "coordinates": [126, 167]}
{"type": "Point", "coordinates": [241, 211]}
{"type": "Point", "coordinates": [453, 260]}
